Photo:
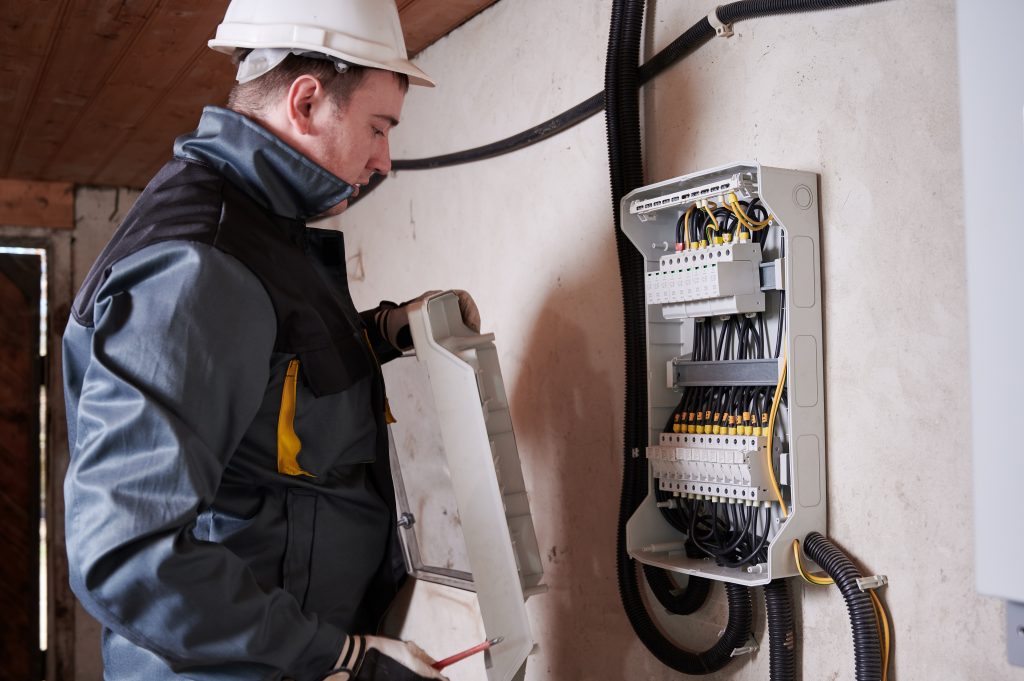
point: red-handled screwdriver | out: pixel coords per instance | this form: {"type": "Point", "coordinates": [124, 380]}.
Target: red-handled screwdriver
{"type": "Point", "coordinates": [486, 645]}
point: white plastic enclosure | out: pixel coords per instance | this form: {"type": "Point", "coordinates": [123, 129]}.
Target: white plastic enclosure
{"type": "Point", "coordinates": [649, 216]}
{"type": "Point", "coordinates": [474, 432]}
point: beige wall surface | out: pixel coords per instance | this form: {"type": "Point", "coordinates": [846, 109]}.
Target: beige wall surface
{"type": "Point", "coordinates": [866, 98]}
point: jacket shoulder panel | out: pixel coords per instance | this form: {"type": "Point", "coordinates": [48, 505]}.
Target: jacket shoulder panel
{"type": "Point", "coordinates": [182, 202]}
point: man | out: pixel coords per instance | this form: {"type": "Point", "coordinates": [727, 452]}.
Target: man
{"type": "Point", "coordinates": [230, 511]}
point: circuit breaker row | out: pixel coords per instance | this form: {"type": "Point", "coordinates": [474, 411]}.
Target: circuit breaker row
{"type": "Point", "coordinates": [712, 466]}
{"type": "Point", "coordinates": [715, 280]}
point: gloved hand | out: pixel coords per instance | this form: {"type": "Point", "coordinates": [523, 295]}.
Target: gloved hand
{"type": "Point", "coordinates": [394, 322]}
{"type": "Point", "coordinates": [374, 658]}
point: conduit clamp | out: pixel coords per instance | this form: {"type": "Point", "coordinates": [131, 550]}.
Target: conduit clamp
{"type": "Point", "coordinates": [721, 30]}
{"type": "Point", "coordinates": [872, 582]}
{"type": "Point", "coordinates": [748, 649]}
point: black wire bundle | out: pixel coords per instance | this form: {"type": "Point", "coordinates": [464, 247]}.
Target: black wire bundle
{"type": "Point", "coordinates": [737, 336]}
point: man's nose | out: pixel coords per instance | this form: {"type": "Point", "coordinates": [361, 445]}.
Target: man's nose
{"type": "Point", "coordinates": [380, 162]}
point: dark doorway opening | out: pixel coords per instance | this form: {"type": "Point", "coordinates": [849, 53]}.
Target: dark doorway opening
{"type": "Point", "coordinates": [22, 450]}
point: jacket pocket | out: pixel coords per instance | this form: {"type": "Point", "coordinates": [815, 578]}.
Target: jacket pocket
{"type": "Point", "coordinates": [288, 443]}
{"type": "Point", "coordinates": [317, 434]}
{"type": "Point", "coordinates": [298, 555]}
{"type": "Point", "coordinates": [337, 364]}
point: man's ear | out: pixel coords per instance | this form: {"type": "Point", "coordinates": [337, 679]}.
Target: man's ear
{"type": "Point", "coordinates": [304, 93]}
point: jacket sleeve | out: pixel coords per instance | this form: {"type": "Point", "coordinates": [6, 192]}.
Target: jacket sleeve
{"type": "Point", "coordinates": [379, 343]}
{"type": "Point", "coordinates": [177, 370]}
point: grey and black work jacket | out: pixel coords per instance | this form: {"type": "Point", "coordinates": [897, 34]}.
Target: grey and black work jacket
{"type": "Point", "coordinates": [230, 510]}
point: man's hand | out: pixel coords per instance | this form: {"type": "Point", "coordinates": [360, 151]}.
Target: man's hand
{"type": "Point", "coordinates": [394, 322]}
{"type": "Point", "coordinates": [373, 658]}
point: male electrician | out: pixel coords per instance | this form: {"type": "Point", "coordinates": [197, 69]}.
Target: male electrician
{"type": "Point", "coordinates": [230, 510]}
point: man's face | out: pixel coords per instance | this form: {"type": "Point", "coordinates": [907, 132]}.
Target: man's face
{"type": "Point", "coordinates": [352, 142]}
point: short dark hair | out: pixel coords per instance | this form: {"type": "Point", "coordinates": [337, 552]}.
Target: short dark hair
{"type": "Point", "coordinates": [254, 96]}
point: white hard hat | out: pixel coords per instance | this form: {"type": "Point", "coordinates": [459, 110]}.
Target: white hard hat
{"type": "Point", "coordinates": [363, 32]}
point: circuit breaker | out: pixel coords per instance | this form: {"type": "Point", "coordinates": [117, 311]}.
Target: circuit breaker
{"type": "Point", "coordinates": [736, 447]}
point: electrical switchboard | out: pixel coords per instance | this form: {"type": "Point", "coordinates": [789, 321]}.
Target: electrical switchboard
{"type": "Point", "coordinates": [736, 448]}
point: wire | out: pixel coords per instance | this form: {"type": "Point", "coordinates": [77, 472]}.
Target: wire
{"type": "Point", "coordinates": [771, 434]}
{"type": "Point", "coordinates": [686, 229]}
{"type": "Point", "coordinates": [883, 617]}
{"type": "Point", "coordinates": [708, 207]}
{"type": "Point", "coordinates": [751, 224]}
{"type": "Point", "coordinates": [808, 577]}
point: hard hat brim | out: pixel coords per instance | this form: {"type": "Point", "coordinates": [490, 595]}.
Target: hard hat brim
{"type": "Point", "coordinates": [404, 66]}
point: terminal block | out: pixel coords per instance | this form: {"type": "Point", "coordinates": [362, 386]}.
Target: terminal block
{"type": "Point", "coordinates": [701, 282]}
{"type": "Point", "coordinates": [718, 466]}
{"type": "Point", "coordinates": [742, 184]}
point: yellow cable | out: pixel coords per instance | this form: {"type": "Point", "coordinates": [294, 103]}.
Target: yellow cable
{"type": "Point", "coordinates": [884, 619]}
{"type": "Point", "coordinates": [813, 579]}
{"type": "Point", "coordinates": [741, 215]}
{"type": "Point", "coordinates": [714, 221]}
{"type": "Point", "coordinates": [771, 433]}
{"type": "Point", "coordinates": [686, 225]}
{"type": "Point", "coordinates": [881, 617]}
{"type": "Point", "coordinates": [730, 200]}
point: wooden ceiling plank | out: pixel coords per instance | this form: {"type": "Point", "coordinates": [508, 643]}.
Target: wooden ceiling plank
{"type": "Point", "coordinates": [145, 88]}
{"type": "Point", "coordinates": [149, 145]}
{"type": "Point", "coordinates": [137, 85]}
{"type": "Point", "coordinates": [86, 56]}
{"type": "Point", "coordinates": [37, 204]}
{"type": "Point", "coordinates": [116, 151]}
{"type": "Point", "coordinates": [424, 22]}
{"type": "Point", "coordinates": [42, 29]}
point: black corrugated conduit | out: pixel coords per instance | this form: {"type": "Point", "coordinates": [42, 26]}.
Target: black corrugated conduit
{"type": "Point", "coordinates": [676, 601]}
{"type": "Point", "coordinates": [622, 108]}
{"type": "Point", "coordinates": [781, 631]}
{"type": "Point", "coordinates": [625, 155]}
{"type": "Point", "coordinates": [866, 645]}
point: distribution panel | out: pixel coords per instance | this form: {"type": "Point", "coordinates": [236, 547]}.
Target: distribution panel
{"type": "Point", "coordinates": [736, 458]}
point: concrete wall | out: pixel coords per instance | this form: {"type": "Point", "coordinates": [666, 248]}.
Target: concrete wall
{"type": "Point", "coordinates": [865, 97]}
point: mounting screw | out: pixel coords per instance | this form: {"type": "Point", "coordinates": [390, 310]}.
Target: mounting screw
{"type": "Point", "coordinates": [407, 520]}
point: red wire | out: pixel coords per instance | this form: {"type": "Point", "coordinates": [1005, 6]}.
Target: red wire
{"type": "Point", "coordinates": [441, 664]}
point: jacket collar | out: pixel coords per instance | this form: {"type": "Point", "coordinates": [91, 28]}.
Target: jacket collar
{"type": "Point", "coordinates": [251, 157]}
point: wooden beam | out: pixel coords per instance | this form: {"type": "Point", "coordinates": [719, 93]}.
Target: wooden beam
{"type": "Point", "coordinates": [37, 204]}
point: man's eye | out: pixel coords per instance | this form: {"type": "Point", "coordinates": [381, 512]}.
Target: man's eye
{"type": "Point", "coordinates": [377, 132]}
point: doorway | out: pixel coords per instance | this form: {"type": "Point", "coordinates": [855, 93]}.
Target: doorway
{"type": "Point", "coordinates": [23, 582]}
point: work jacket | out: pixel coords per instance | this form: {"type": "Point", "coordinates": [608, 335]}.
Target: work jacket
{"type": "Point", "coordinates": [229, 503]}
